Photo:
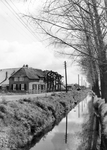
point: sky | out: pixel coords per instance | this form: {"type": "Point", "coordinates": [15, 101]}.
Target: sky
{"type": "Point", "coordinates": [19, 46]}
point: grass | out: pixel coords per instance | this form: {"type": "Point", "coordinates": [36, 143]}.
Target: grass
{"type": "Point", "coordinates": [27, 120]}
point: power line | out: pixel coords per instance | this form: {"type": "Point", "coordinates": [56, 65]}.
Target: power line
{"type": "Point", "coordinates": [12, 20]}
{"type": "Point", "coordinates": [13, 25]}
{"type": "Point", "coordinates": [8, 8]}
{"type": "Point", "coordinates": [21, 18]}
{"type": "Point", "coordinates": [18, 17]}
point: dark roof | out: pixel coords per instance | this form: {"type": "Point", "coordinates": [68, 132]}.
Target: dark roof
{"type": "Point", "coordinates": [39, 72]}
{"type": "Point", "coordinates": [9, 71]}
{"type": "Point", "coordinates": [50, 71]}
{"type": "Point", "coordinates": [31, 73]}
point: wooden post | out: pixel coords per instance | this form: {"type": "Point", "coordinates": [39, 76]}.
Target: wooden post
{"type": "Point", "coordinates": [81, 81]}
{"type": "Point", "coordinates": [82, 106]}
{"type": "Point", "coordinates": [78, 81]}
{"type": "Point", "coordinates": [78, 110]}
{"type": "Point", "coordinates": [84, 103]}
{"type": "Point", "coordinates": [65, 75]}
{"type": "Point", "coordinates": [66, 92]}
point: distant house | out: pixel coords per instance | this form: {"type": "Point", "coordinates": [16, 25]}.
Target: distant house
{"type": "Point", "coordinates": [4, 78]}
{"type": "Point", "coordinates": [27, 79]}
{"type": "Point", "coordinates": [70, 87]}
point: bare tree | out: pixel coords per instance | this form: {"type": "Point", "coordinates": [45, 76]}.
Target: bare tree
{"type": "Point", "coordinates": [90, 65]}
{"type": "Point", "coordinates": [80, 25]}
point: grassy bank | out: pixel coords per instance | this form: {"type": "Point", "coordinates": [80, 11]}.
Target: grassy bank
{"type": "Point", "coordinates": [26, 121]}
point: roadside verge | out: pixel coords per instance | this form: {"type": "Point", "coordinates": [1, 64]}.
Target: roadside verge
{"type": "Point", "coordinates": [24, 122]}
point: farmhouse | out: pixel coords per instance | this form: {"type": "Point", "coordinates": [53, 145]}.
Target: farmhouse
{"type": "Point", "coordinates": [31, 80]}
{"type": "Point", "coordinates": [27, 79]}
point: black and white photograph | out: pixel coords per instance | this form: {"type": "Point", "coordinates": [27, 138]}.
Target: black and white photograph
{"type": "Point", "coordinates": [53, 74]}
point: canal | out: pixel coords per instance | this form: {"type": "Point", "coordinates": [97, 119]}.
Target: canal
{"type": "Point", "coordinates": [77, 130]}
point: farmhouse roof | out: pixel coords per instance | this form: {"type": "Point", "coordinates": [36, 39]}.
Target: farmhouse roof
{"type": "Point", "coordinates": [31, 73]}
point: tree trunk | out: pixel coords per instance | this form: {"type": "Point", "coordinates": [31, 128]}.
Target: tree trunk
{"type": "Point", "coordinates": [102, 87]}
{"type": "Point", "coordinates": [96, 89]}
{"type": "Point", "coordinates": [104, 83]}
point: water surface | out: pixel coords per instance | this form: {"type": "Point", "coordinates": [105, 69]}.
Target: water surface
{"type": "Point", "coordinates": [55, 140]}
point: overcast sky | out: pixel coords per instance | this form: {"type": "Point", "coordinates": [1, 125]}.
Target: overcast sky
{"type": "Point", "coordinates": [18, 46]}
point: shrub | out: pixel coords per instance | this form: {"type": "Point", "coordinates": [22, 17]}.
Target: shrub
{"type": "Point", "coordinates": [4, 101]}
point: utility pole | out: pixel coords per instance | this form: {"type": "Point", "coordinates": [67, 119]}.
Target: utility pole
{"type": "Point", "coordinates": [78, 80]}
{"type": "Point", "coordinates": [65, 66]}
{"type": "Point", "coordinates": [81, 81]}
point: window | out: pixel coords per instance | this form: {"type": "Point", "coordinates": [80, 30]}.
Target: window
{"type": "Point", "coordinates": [34, 86]}
{"type": "Point", "coordinates": [22, 87]}
{"type": "Point", "coordinates": [25, 86]}
{"type": "Point", "coordinates": [42, 87]}
{"type": "Point", "coordinates": [39, 87]}
{"type": "Point", "coordinates": [14, 87]}
{"type": "Point", "coordinates": [19, 86]}
{"type": "Point", "coordinates": [16, 79]}
{"type": "Point", "coordinates": [21, 78]}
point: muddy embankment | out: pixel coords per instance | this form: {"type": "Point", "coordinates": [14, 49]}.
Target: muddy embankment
{"type": "Point", "coordinates": [24, 122]}
{"type": "Point", "coordinates": [101, 116]}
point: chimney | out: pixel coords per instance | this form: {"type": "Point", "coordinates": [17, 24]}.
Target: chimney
{"type": "Point", "coordinates": [6, 74]}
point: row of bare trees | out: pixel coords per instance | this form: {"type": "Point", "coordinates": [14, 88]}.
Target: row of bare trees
{"type": "Point", "coordinates": [80, 25]}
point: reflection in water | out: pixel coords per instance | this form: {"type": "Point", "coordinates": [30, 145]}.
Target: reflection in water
{"type": "Point", "coordinates": [55, 140]}
{"type": "Point", "coordinates": [59, 138]}
{"type": "Point", "coordinates": [59, 141]}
